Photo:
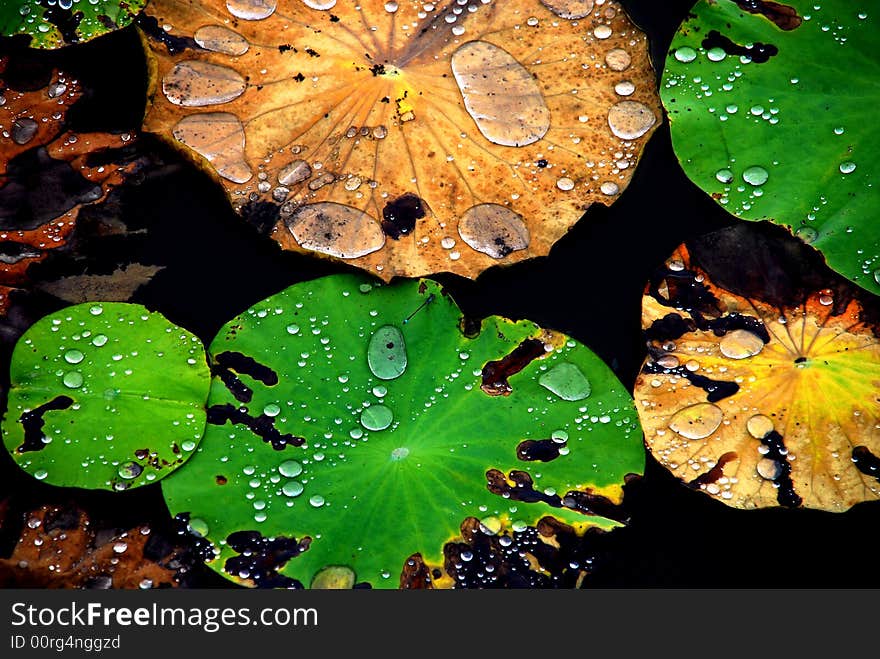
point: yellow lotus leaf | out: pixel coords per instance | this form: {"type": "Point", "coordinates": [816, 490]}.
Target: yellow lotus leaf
{"type": "Point", "coordinates": [763, 391]}
{"type": "Point", "coordinates": [406, 137]}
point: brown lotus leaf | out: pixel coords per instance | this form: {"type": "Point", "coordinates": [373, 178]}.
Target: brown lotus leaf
{"type": "Point", "coordinates": [60, 547]}
{"type": "Point", "coordinates": [406, 137]}
{"type": "Point", "coordinates": [756, 401]}
{"type": "Point", "coordinates": [47, 173]}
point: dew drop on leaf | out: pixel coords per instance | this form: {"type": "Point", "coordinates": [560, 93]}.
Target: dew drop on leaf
{"type": "Point", "coordinates": [697, 421]}
{"type": "Point", "coordinates": [386, 354]}
{"type": "Point", "coordinates": [376, 417]}
{"type": "Point", "coordinates": [72, 379]}
{"type": "Point", "coordinates": [566, 381]}
{"type": "Point", "coordinates": [740, 344]}
{"type": "Point", "coordinates": [290, 468]}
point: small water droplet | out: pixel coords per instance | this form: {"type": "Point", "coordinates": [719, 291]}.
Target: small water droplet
{"type": "Point", "coordinates": [96, 310]}
{"type": "Point", "coordinates": [316, 500]}
{"type": "Point", "coordinates": [380, 391]}
{"type": "Point", "coordinates": [847, 167]}
{"type": "Point", "coordinates": [198, 526]}
{"type": "Point", "coordinates": [293, 329]}
{"type": "Point", "coordinates": [272, 410]}
{"type": "Point", "coordinates": [807, 234]}
{"type": "Point", "coordinates": [99, 340]}
{"type": "Point", "coordinates": [40, 474]}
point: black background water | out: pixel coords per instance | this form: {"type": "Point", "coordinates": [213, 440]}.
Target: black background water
{"type": "Point", "coordinates": [590, 287]}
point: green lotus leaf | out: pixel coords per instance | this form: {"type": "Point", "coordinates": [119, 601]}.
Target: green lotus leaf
{"type": "Point", "coordinates": [771, 108]}
{"type": "Point", "coordinates": [356, 425]}
{"type": "Point", "coordinates": [57, 23]}
{"type": "Point", "coordinates": [105, 396]}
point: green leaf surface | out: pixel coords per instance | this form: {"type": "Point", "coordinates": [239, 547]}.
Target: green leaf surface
{"type": "Point", "coordinates": [397, 436]}
{"type": "Point", "coordinates": [105, 396]}
{"type": "Point", "coordinates": [57, 23]}
{"type": "Point", "coordinates": [793, 139]}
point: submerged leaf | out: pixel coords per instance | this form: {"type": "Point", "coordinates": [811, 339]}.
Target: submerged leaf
{"type": "Point", "coordinates": [48, 174]}
{"type": "Point", "coordinates": [105, 395]}
{"type": "Point", "coordinates": [761, 385]}
{"type": "Point", "coordinates": [57, 23]}
{"type": "Point", "coordinates": [407, 138]}
{"type": "Point", "coordinates": [771, 107]}
{"type": "Point", "coordinates": [352, 425]}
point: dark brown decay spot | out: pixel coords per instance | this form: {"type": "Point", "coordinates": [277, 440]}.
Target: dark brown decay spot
{"type": "Point", "coordinates": [784, 16]}
{"type": "Point", "coordinates": [470, 327]}
{"type": "Point", "coordinates": [415, 574]}
{"type": "Point", "coordinates": [522, 489]}
{"type": "Point", "coordinates": [33, 421]}
{"type": "Point", "coordinates": [866, 462]}
{"type": "Point", "coordinates": [757, 52]}
{"type": "Point", "coordinates": [150, 26]}
{"type": "Point", "coordinates": [227, 364]}
{"type": "Point", "coordinates": [260, 558]}
{"type": "Point", "coordinates": [39, 189]}
{"type": "Point", "coordinates": [496, 373]}
{"type": "Point", "coordinates": [399, 215]}
{"type": "Point", "coordinates": [715, 389]}
{"type": "Point", "coordinates": [220, 479]}
{"type": "Point", "coordinates": [540, 450]}
{"type": "Point", "coordinates": [785, 494]}
{"type": "Point", "coordinates": [262, 426]}
{"type": "Point", "coordinates": [65, 20]}
{"type": "Point", "coordinates": [715, 472]}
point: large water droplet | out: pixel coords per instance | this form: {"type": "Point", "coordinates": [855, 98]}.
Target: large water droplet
{"type": "Point", "coordinates": [292, 488]}
{"type": "Point", "coordinates": [724, 176]}
{"type": "Point", "coordinates": [334, 577]}
{"type": "Point", "coordinates": [566, 381]}
{"type": "Point", "coordinates": [847, 167]}
{"type": "Point", "coordinates": [72, 379]}
{"type": "Point", "coordinates": [386, 354]}
{"type": "Point", "coordinates": [198, 527]}
{"type": "Point", "coordinates": [807, 234]}
{"type": "Point", "coordinates": [685, 54]}
{"type": "Point", "coordinates": [697, 421]}
{"type": "Point", "coordinates": [740, 344]}
{"type": "Point", "coordinates": [251, 10]}
{"type": "Point", "coordinates": [73, 356]}
{"type": "Point", "coordinates": [629, 120]}
{"type": "Point", "coordinates": [129, 470]}
{"type": "Point", "coordinates": [769, 469]}
{"type": "Point", "coordinates": [316, 500]}
{"type": "Point", "coordinates": [290, 468]}
{"type": "Point", "coordinates": [376, 417]}
{"type": "Point", "coordinates": [272, 410]}
{"type": "Point", "coordinates": [99, 340]}
{"type": "Point", "coordinates": [755, 175]}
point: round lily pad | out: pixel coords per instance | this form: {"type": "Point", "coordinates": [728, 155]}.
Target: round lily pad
{"type": "Point", "coordinates": [105, 396]}
{"type": "Point", "coordinates": [761, 384]}
{"type": "Point", "coordinates": [771, 108]}
{"type": "Point", "coordinates": [355, 425]}
{"type": "Point", "coordinates": [407, 138]}
{"type": "Point", "coordinates": [57, 23]}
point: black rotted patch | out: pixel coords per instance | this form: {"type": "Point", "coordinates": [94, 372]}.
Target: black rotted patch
{"type": "Point", "coordinates": [715, 472]}
{"type": "Point", "coordinates": [260, 558]}
{"type": "Point", "coordinates": [672, 326]}
{"type": "Point", "coordinates": [262, 426]}
{"type": "Point", "coordinates": [399, 215]}
{"type": "Point", "coordinates": [62, 518]}
{"type": "Point", "coordinates": [33, 421]}
{"type": "Point", "coordinates": [508, 560]}
{"type": "Point", "coordinates": [227, 364]}
{"type": "Point", "coordinates": [195, 548]}
{"type": "Point", "coordinates": [540, 450]}
{"type": "Point", "coordinates": [150, 26]}
{"type": "Point", "coordinates": [715, 389]}
{"type": "Point", "coordinates": [784, 16]}
{"type": "Point", "coordinates": [470, 327]}
{"type": "Point", "coordinates": [681, 290]}
{"type": "Point", "coordinates": [39, 189]}
{"type": "Point", "coordinates": [523, 488]}
{"type": "Point", "coordinates": [11, 253]}
{"type": "Point", "coordinates": [66, 20]}
{"type": "Point", "coordinates": [757, 52]}
{"type": "Point", "coordinates": [866, 462]}
{"type": "Point", "coordinates": [496, 373]}
{"type": "Point", "coordinates": [785, 494]}
{"type": "Point", "coordinates": [262, 214]}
